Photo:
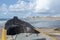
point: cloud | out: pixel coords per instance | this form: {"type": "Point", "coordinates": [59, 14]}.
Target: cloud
{"type": "Point", "coordinates": [34, 6]}
{"type": "Point", "coordinates": [21, 6]}
{"type": "Point", "coordinates": [26, 8]}
{"type": "Point", "coordinates": [55, 6]}
{"type": "Point", "coordinates": [3, 9]}
{"type": "Point", "coordinates": [41, 5]}
{"type": "Point", "coordinates": [30, 6]}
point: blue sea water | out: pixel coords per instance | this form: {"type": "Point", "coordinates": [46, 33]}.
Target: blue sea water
{"type": "Point", "coordinates": [46, 23]}
{"type": "Point", "coordinates": [37, 23]}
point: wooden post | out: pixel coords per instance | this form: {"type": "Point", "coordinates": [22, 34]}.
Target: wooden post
{"type": "Point", "coordinates": [4, 34]}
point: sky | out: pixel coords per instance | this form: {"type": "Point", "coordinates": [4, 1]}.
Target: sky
{"type": "Point", "coordinates": [27, 8]}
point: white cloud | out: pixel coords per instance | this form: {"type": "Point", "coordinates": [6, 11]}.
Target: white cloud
{"type": "Point", "coordinates": [21, 6]}
{"type": "Point", "coordinates": [42, 4]}
{"type": "Point", "coordinates": [4, 9]}
{"type": "Point", "coordinates": [36, 6]}
{"type": "Point", "coordinates": [54, 6]}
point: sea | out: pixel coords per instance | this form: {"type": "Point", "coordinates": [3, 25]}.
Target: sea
{"type": "Point", "coordinates": [36, 23]}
